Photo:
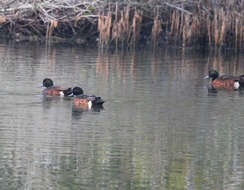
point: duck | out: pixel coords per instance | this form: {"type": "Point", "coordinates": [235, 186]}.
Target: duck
{"type": "Point", "coordinates": [52, 90]}
{"type": "Point", "coordinates": [241, 81]}
{"type": "Point", "coordinates": [224, 82]}
{"type": "Point", "coordinates": [86, 101]}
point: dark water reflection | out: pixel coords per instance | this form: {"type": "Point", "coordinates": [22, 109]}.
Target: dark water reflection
{"type": "Point", "coordinates": [160, 127]}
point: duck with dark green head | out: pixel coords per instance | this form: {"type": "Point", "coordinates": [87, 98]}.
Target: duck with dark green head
{"type": "Point", "coordinates": [86, 101]}
{"type": "Point", "coordinates": [52, 90]}
{"type": "Point", "coordinates": [223, 82]}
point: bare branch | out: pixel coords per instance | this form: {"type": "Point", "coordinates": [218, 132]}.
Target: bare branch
{"type": "Point", "coordinates": [178, 8]}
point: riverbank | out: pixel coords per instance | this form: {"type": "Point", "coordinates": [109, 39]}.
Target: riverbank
{"type": "Point", "coordinates": [125, 24]}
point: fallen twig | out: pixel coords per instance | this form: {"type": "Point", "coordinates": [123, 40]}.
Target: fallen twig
{"type": "Point", "coordinates": [178, 8]}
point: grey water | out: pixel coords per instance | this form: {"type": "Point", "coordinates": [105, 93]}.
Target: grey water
{"type": "Point", "coordinates": [160, 129]}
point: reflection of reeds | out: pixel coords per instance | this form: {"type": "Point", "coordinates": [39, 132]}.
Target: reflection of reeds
{"type": "Point", "coordinates": [120, 64]}
{"type": "Point", "coordinates": [226, 64]}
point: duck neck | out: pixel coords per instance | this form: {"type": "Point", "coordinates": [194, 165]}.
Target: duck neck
{"type": "Point", "coordinates": [214, 77]}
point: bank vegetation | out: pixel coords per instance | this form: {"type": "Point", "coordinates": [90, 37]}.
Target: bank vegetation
{"type": "Point", "coordinates": [125, 23]}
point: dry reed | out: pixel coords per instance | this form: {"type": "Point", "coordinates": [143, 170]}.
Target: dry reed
{"type": "Point", "coordinates": [156, 31]}
{"type": "Point", "coordinates": [50, 27]}
{"type": "Point", "coordinates": [119, 29]}
{"type": "Point", "coordinates": [136, 26]}
{"type": "Point", "coordinates": [124, 24]}
{"type": "Point", "coordinates": [104, 27]}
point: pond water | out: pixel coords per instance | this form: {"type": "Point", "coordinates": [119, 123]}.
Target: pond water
{"type": "Point", "coordinates": [160, 129]}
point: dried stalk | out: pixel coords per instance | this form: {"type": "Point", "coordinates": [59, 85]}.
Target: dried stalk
{"type": "Point", "coordinates": [186, 22]}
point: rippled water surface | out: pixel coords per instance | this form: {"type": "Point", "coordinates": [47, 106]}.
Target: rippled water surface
{"type": "Point", "coordinates": [160, 128]}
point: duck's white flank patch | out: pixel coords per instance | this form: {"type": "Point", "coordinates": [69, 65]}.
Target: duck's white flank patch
{"type": "Point", "coordinates": [89, 104]}
{"type": "Point", "coordinates": [61, 93]}
{"type": "Point", "coordinates": [236, 85]}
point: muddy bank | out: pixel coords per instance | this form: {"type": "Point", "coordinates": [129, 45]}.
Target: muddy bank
{"type": "Point", "coordinates": [125, 24]}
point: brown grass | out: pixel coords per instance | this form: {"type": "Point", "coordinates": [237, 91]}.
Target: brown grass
{"type": "Point", "coordinates": [156, 30]}
{"type": "Point", "coordinates": [184, 23]}
{"type": "Point", "coordinates": [219, 27]}
{"type": "Point", "coordinates": [104, 27]}
{"type": "Point", "coordinates": [50, 27]}
{"type": "Point", "coordinates": [136, 26]}
{"type": "Point", "coordinates": [119, 29]}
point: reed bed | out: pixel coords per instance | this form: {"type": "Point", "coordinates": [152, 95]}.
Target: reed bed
{"type": "Point", "coordinates": [126, 23]}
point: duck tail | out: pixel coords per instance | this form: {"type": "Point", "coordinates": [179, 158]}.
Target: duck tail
{"type": "Point", "coordinates": [98, 101]}
{"type": "Point", "coordinates": [68, 92]}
